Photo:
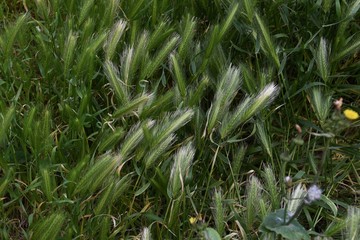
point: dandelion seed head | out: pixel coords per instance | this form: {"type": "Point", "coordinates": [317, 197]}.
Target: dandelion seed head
{"type": "Point", "coordinates": [313, 194]}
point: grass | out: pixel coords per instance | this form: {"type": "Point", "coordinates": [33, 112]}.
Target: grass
{"type": "Point", "coordinates": [176, 119]}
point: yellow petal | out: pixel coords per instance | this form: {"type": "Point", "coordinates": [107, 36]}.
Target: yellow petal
{"type": "Point", "coordinates": [351, 114]}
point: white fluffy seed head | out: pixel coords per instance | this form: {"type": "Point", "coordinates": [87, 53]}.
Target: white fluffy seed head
{"type": "Point", "coordinates": [313, 194]}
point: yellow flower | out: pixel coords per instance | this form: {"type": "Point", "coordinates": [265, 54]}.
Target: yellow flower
{"type": "Point", "coordinates": [193, 220]}
{"type": "Point", "coordinates": [351, 114]}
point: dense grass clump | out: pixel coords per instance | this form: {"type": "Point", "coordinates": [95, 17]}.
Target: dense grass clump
{"type": "Point", "coordinates": [129, 119]}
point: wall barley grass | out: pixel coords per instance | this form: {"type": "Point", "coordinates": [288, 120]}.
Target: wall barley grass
{"type": "Point", "coordinates": [49, 228]}
{"type": "Point", "coordinates": [112, 110]}
{"type": "Point", "coordinates": [254, 189]}
{"type": "Point", "coordinates": [160, 56]}
{"type": "Point", "coordinates": [85, 9]}
{"type": "Point", "coordinates": [227, 88]}
{"type": "Point", "coordinates": [322, 60]}
{"type": "Point", "coordinates": [117, 84]}
{"type": "Point", "coordinates": [113, 39]}
{"type": "Point", "coordinates": [68, 54]}
{"type": "Point", "coordinates": [187, 37]}
{"type": "Point", "coordinates": [353, 223]}
{"type": "Point", "coordinates": [179, 75]}
{"type": "Point", "coordinates": [102, 168]}
{"type": "Point", "coordinates": [133, 138]}
{"type": "Point", "coordinates": [179, 171]}
{"type": "Point", "coordinates": [219, 212]}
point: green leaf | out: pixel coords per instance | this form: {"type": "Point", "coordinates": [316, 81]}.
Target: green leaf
{"type": "Point", "coordinates": [275, 222]}
{"type": "Point", "coordinates": [211, 234]}
{"type": "Point", "coordinates": [142, 189]}
{"type": "Point", "coordinates": [330, 203]}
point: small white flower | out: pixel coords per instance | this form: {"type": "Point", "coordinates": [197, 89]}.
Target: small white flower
{"type": "Point", "coordinates": [313, 194]}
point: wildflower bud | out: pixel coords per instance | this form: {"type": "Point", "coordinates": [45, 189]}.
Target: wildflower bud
{"type": "Point", "coordinates": [288, 181]}
{"type": "Point", "coordinates": [298, 128]}
{"type": "Point", "coordinates": [338, 103]}
{"type": "Point", "coordinates": [313, 194]}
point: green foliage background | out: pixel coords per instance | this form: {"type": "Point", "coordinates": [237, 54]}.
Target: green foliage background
{"type": "Point", "coordinates": [124, 119]}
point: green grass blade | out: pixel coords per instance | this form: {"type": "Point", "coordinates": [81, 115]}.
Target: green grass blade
{"type": "Point", "coordinates": [229, 19]}
{"type": "Point", "coordinates": [6, 123]}
{"type": "Point", "coordinates": [267, 43]}
{"type": "Point", "coordinates": [136, 103]}
{"type": "Point", "coordinates": [249, 6]}
{"type": "Point", "coordinates": [5, 181]}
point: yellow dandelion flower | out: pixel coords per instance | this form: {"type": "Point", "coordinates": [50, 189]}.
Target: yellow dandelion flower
{"type": "Point", "coordinates": [351, 114]}
{"type": "Point", "coordinates": [193, 220]}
